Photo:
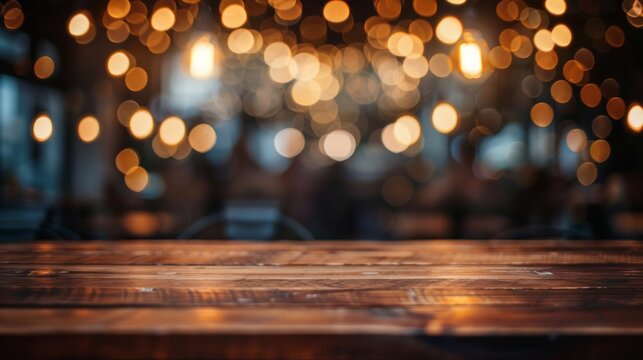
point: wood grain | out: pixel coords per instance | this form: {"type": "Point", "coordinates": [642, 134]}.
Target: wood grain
{"type": "Point", "coordinates": [344, 294]}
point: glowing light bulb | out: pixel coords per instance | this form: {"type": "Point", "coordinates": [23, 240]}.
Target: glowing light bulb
{"type": "Point", "coordinates": [202, 58]}
{"type": "Point", "coordinates": [42, 128]}
{"type": "Point", "coordinates": [470, 56]}
{"type": "Point", "coordinates": [635, 118]}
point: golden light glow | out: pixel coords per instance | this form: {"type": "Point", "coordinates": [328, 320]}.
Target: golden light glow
{"type": "Point", "coordinates": [78, 24]}
{"type": "Point", "coordinates": [338, 145]}
{"type": "Point", "coordinates": [546, 60]}
{"type": "Point", "coordinates": [562, 35]}
{"type": "Point", "coordinates": [158, 42]}
{"type": "Point", "coordinates": [336, 11]}
{"type": "Point", "coordinates": [118, 63]}
{"type": "Point", "coordinates": [576, 140]}
{"type": "Point", "coordinates": [118, 8]}
{"type": "Point", "coordinates": [416, 67]}
{"type": "Point", "coordinates": [277, 55]}
{"type": "Point", "coordinates": [42, 128]}
{"type": "Point", "coordinates": [445, 118]}
{"type": "Point", "coordinates": [590, 95]}
{"type": "Point", "coordinates": [289, 142]}
{"type": "Point", "coordinates": [44, 67]}
{"type": "Point", "coordinates": [615, 108]}
{"type": "Point", "coordinates": [141, 124]}
{"type": "Point", "coordinates": [600, 150]}
{"type": "Point", "coordinates": [456, 2]}
{"type": "Point", "coordinates": [544, 40]}
{"type": "Point", "coordinates": [441, 65]}
{"type": "Point", "coordinates": [521, 46]}
{"type": "Point", "coordinates": [305, 93]}
{"type": "Point", "coordinates": [201, 64]}
{"type": "Point", "coordinates": [13, 18]}
{"type": "Point", "coordinates": [88, 129]}
{"type": "Point", "coordinates": [542, 114]}
{"type": "Point", "coordinates": [470, 56]}
{"type": "Point", "coordinates": [635, 118]}
{"type": "Point", "coordinates": [500, 58]}
{"type": "Point", "coordinates": [425, 7]}
{"type": "Point", "coordinates": [407, 130]}
{"type": "Point", "coordinates": [136, 179]}
{"type": "Point", "coordinates": [172, 130]}
{"type": "Point", "coordinates": [561, 91]}
{"type": "Point", "coordinates": [389, 140]}
{"type": "Point", "coordinates": [234, 16]}
{"type": "Point", "coordinates": [136, 79]}
{"type": "Point", "coordinates": [406, 45]}
{"type": "Point", "coordinates": [449, 30]}
{"type": "Point", "coordinates": [241, 41]}
{"type": "Point", "coordinates": [202, 138]}
{"type": "Point", "coordinates": [126, 159]}
{"type": "Point", "coordinates": [163, 19]}
{"type": "Point", "coordinates": [304, 66]}
{"type": "Point", "coordinates": [556, 7]}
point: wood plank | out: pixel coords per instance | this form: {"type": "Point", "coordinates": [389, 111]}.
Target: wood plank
{"type": "Point", "coordinates": [164, 296]}
{"type": "Point", "coordinates": [321, 257]}
{"type": "Point", "coordinates": [326, 245]}
{"type": "Point", "coordinates": [322, 277]}
{"type": "Point", "coordinates": [348, 297]}
{"type": "Point", "coordinates": [427, 320]}
{"type": "Point", "coordinates": [333, 258]}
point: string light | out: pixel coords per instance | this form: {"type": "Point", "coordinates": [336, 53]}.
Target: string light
{"type": "Point", "coordinates": [201, 62]}
{"type": "Point", "coordinates": [285, 67]}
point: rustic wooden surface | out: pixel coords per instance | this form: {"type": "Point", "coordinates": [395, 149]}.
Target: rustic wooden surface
{"type": "Point", "coordinates": [448, 299]}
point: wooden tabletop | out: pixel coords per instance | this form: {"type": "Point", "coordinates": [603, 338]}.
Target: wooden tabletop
{"type": "Point", "coordinates": [321, 299]}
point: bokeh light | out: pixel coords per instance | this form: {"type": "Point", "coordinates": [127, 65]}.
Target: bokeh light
{"type": "Point", "coordinates": [44, 67]}
{"type": "Point", "coordinates": [141, 124]}
{"type": "Point", "coordinates": [542, 114]}
{"type": "Point", "coordinates": [79, 24]}
{"type": "Point", "coordinates": [88, 129]}
{"type": "Point", "coordinates": [635, 118]}
{"type": "Point", "coordinates": [445, 118]}
{"type": "Point", "coordinates": [162, 19]}
{"type": "Point", "coordinates": [449, 30]}
{"type": "Point", "coordinates": [126, 159]}
{"type": "Point", "coordinates": [338, 145]}
{"type": "Point", "coordinates": [202, 138]}
{"type": "Point", "coordinates": [42, 128]}
{"type": "Point", "coordinates": [336, 11]}
{"type": "Point", "coordinates": [234, 16]}
{"type": "Point", "coordinates": [172, 130]}
{"type": "Point", "coordinates": [202, 58]}
{"type": "Point", "coordinates": [289, 142]}
{"type": "Point", "coordinates": [118, 63]}
{"type": "Point", "coordinates": [136, 179]}
{"type": "Point", "coordinates": [136, 79]}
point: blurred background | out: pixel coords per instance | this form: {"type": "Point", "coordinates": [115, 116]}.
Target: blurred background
{"type": "Point", "coordinates": [263, 119]}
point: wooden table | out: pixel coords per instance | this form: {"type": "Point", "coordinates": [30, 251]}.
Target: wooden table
{"type": "Point", "coordinates": [446, 299]}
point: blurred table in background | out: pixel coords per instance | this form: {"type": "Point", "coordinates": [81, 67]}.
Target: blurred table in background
{"type": "Point", "coordinates": [445, 299]}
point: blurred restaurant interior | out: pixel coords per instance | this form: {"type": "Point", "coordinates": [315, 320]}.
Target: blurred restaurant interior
{"type": "Point", "coordinates": [301, 119]}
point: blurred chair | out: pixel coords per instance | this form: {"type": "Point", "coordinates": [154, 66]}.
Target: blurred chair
{"type": "Point", "coordinates": [247, 220]}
